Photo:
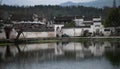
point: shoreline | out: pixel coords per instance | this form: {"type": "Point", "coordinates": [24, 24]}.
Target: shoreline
{"type": "Point", "coordinates": [64, 39]}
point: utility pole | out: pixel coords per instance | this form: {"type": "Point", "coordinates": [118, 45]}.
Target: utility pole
{"type": "Point", "coordinates": [114, 3]}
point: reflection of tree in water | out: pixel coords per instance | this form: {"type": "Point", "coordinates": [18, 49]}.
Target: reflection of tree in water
{"type": "Point", "coordinates": [86, 44]}
{"type": "Point", "coordinates": [70, 55]}
{"type": "Point", "coordinates": [98, 43]}
{"type": "Point", "coordinates": [115, 44]}
{"type": "Point", "coordinates": [113, 57]}
{"type": "Point", "coordinates": [8, 53]}
{"type": "Point", "coordinates": [1, 57]}
{"type": "Point", "coordinates": [85, 33]}
{"type": "Point", "coordinates": [65, 43]}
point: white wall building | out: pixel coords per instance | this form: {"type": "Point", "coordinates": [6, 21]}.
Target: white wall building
{"type": "Point", "coordinates": [94, 26]}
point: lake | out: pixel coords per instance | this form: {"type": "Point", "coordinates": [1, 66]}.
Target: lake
{"type": "Point", "coordinates": [61, 55]}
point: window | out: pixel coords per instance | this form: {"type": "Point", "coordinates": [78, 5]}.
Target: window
{"type": "Point", "coordinates": [97, 25]}
{"type": "Point", "coordinates": [106, 29]}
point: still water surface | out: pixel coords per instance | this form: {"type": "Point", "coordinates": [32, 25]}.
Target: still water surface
{"type": "Point", "coordinates": [62, 55]}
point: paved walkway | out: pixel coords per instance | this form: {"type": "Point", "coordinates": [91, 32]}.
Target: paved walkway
{"type": "Point", "coordinates": [98, 37]}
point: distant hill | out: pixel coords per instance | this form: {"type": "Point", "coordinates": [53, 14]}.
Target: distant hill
{"type": "Point", "coordinates": [97, 3]}
{"type": "Point", "coordinates": [69, 3]}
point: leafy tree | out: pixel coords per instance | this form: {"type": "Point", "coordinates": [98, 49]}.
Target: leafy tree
{"type": "Point", "coordinates": [25, 13]}
{"type": "Point", "coordinates": [72, 24]}
{"type": "Point", "coordinates": [1, 25]}
{"type": "Point", "coordinates": [113, 19]}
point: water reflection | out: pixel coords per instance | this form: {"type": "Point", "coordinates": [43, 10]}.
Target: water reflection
{"type": "Point", "coordinates": [61, 51]}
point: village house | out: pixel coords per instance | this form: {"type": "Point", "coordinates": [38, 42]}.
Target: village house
{"type": "Point", "coordinates": [83, 26]}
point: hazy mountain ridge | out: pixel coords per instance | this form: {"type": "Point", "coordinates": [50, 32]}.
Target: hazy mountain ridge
{"type": "Point", "coordinates": [97, 3]}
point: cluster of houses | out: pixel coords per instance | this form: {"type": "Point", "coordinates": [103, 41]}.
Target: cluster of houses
{"type": "Point", "coordinates": [67, 26]}
{"type": "Point", "coordinates": [83, 26]}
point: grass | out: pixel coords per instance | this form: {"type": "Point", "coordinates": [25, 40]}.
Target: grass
{"type": "Point", "coordinates": [6, 42]}
{"type": "Point", "coordinates": [43, 41]}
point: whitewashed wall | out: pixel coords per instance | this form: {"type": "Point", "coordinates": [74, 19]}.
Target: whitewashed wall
{"type": "Point", "coordinates": [68, 31]}
{"type": "Point", "coordinates": [29, 34]}
{"type": "Point", "coordinates": [37, 34]}
{"type": "Point", "coordinates": [78, 31]}
{"type": "Point", "coordinates": [12, 35]}
{"type": "Point", "coordinates": [2, 35]}
{"type": "Point", "coordinates": [72, 31]}
{"type": "Point", "coordinates": [58, 25]}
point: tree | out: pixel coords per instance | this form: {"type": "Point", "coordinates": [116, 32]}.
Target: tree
{"type": "Point", "coordinates": [72, 24]}
{"type": "Point", "coordinates": [1, 26]}
{"type": "Point", "coordinates": [113, 19]}
{"type": "Point", "coordinates": [25, 13]}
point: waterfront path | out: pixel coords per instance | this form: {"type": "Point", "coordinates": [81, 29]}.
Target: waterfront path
{"type": "Point", "coordinates": [98, 37]}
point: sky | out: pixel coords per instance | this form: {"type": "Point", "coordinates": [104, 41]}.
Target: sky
{"type": "Point", "coordinates": [39, 2]}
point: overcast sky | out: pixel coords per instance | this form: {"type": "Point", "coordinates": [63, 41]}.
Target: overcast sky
{"type": "Point", "coordinates": [39, 2]}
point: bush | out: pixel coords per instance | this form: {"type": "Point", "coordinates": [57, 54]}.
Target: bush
{"type": "Point", "coordinates": [65, 35]}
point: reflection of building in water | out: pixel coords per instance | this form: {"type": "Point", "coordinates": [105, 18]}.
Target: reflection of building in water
{"type": "Point", "coordinates": [79, 48]}
{"type": "Point", "coordinates": [50, 50]}
{"type": "Point", "coordinates": [59, 49]}
{"type": "Point", "coordinates": [98, 48]}
{"type": "Point", "coordinates": [8, 51]}
{"type": "Point", "coordinates": [82, 50]}
{"type": "Point", "coordinates": [5, 51]}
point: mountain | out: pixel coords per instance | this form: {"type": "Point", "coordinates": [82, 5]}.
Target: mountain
{"type": "Point", "coordinates": [97, 3]}
{"type": "Point", "coordinates": [69, 3]}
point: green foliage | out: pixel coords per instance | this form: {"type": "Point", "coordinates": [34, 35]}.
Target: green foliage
{"type": "Point", "coordinates": [113, 19]}
{"type": "Point", "coordinates": [69, 24]}
{"type": "Point", "coordinates": [1, 25]}
{"type": "Point", "coordinates": [25, 13]}
{"type": "Point", "coordinates": [65, 35]}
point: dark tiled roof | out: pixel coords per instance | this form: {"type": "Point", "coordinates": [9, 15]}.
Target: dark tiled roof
{"type": "Point", "coordinates": [88, 22]}
{"type": "Point", "coordinates": [78, 27]}
{"type": "Point", "coordinates": [33, 28]}
{"type": "Point", "coordinates": [7, 22]}
{"type": "Point", "coordinates": [88, 18]}
{"type": "Point", "coordinates": [97, 21]}
{"type": "Point", "coordinates": [59, 23]}
{"type": "Point", "coordinates": [96, 16]}
{"type": "Point", "coordinates": [83, 27]}
{"type": "Point", "coordinates": [63, 20]}
{"type": "Point", "coordinates": [68, 17]}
